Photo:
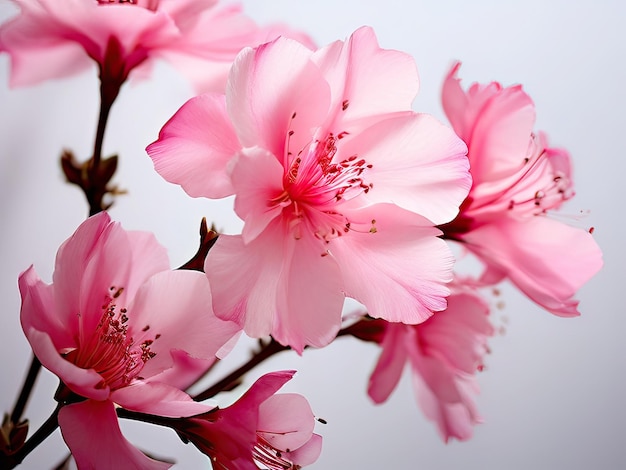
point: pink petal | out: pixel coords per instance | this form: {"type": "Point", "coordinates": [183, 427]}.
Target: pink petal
{"type": "Point", "coordinates": [195, 146]}
{"type": "Point", "coordinates": [307, 454]}
{"type": "Point", "coordinates": [273, 90]}
{"type": "Point", "coordinates": [454, 418]}
{"type": "Point", "coordinates": [390, 364]}
{"type": "Point", "coordinates": [370, 80]}
{"type": "Point", "coordinates": [174, 310]}
{"type": "Point", "coordinates": [38, 310]}
{"type": "Point", "coordinates": [92, 433]}
{"type": "Point", "coordinates": [495, 123]}
{"type": "Point", "coordinates": [85, 382]}
{"type": "Point", "coordinates": [537, 257]}
{"type": "Point", "coordinates": [457, 336]}
{"type": "Point", "coordinates": [266, 286]}
{"type": "Point", "coordinates": [286, 421]}
{"type": "Point", "coordinates": [418, 164]}
{"type": "Point", "coordinates": [257, 178]}
{"type": "Point", "coordinates": [400, 271]}
{"type": "Point", "coordinates": [185, 371]}
{"type": "Point", "coordinates": [158, 399]}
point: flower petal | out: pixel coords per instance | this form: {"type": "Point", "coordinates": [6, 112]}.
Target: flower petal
{"type": "Point", "coordinates": [286, 421]}
{"type": "Point", "coordinates": [275, 89]}
{"type": "Point", "coordinates": [390, 365]}
{"type": "Point", "coordinates": [92, 433]}
{"type": "Point", "coordinates": [158, 399]}
{"type": "Point", "coordinates": [417, 163]}
{"type": "Point", "coordinates": [537, 256]}
{"type": "Point", "coordinates": [400, 270]}
{"type": "Point", "coordinates": [195, 146]}
{"type": "Point", "coordinates": [173, 309]}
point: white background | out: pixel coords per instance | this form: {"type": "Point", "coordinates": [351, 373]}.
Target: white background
{"type": "Point", "coordinates": [553, 394]}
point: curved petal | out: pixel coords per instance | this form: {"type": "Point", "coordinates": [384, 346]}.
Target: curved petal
{"type": "Point", "coordinates": [547, 260]}
{"type": "Point", "coordinates": [417, 163]}
{"type": "Point", "coordinates": [38, 310]}
{"type": "Point", "coordinates": [390, 365]}
{"type": "Point", "coordinates": [85, 382]}
{"type": "Point", "coordinates": [286, 421]}
{"type": "Point", "coordinates": [495, 123]}
{"type": "Point", "coordinates": [275, 89]}
{"type": "Point", "coordinates": [173, 309]}
{"type": "Point", "coordinates": [365, 79]}
{"type": "Point", "coordinates": [266, 286]}
{"type": "Point", "coordinates": [92, 433]}
{"type": "Point", "coordinates": [158, 399]}
{"type": "Point", "coordinates": [307, 454]}
{"type": "Point", "coordinates": [398, 269]}
{"type": "Point", "coordinates": [195, 146]}
{"type": "Point", "coordinates": [258, 181]}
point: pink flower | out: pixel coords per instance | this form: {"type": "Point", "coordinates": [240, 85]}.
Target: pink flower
{"type": "Point", "coordinates": [113, 321]}
{"type": "Point", "coordinates": [275, 431]}
{"type": "Point", "coordinates": [517, 180]}
{"type": "Point", "coordinates": [338, 182]}
{"type": "Point", "coordinates": [57, 38]}
{"type": "Point", "coordinates": [444, 353]}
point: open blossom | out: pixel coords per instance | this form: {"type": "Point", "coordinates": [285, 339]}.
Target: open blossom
{"type": "Point", "coordinates": [517, 180]}
{"type": "Point", "coordinates": [274, 430]}
{"type": "Point", "coordinates": [112, 326]}
{"type": "Point", "coordinates": [57, 38]}
{"type": "Point", "coordinates": [444, 353]}
{"type": "Point", "coordinates": [338, 182]}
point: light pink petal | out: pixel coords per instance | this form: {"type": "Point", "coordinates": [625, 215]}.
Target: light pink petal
{"type": "Point", "coordinates": [38, 310]}
{"type": "Point", "coordinates": [400, 270]}
{"type": "Point", "coordinates": [310, 298]}
{"type": "Point", "coordinates": [195, 146]}
{"type": "Point", "coordinates": [495, 123]}
{"type": "Point", "coordinates": [453, 418]}
{"type": "Point", "coordinates": [258, 179]}
{"type": "Point", "coordinates": [390, 364]}
{"type": "Point", "coordinates": [174, 310]}
{"type": "Point", "coordinates": [547, 260]}
{"type": "Point", "coordinates": [418, 164]}
{"type": "Point", "coordinates": [273, 90]}
{"type": "Point", "coordinates": [307, 454]}
{"type": "Point", "coordinates": [92, 433]}
{"type": "Point", "coordinates": [72, 260]}
{"type": "Point", "coordinates": [266, 286]}
{"type": "Point", "coordinates": [368, 79]}
{"type": "Point", "coordinates": [158, 399]}
{"type": "Point", "coordinates": [244, 281]}
{"type": "Point", "coordinates": [185, 371]}
{"type": "Point", "coordinates": [457, 336]}
{"type": "Point", "coordinates": [85, 382]}
{"type": "Point", "coordinates": [148, 257]}
{"type": "Point", "coordinates": [286, 421]}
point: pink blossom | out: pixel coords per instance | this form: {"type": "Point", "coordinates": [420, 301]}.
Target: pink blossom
{"type": "Point", "coordinates": [444, 353]}
{"type": "Point", "coordinates": [338, 182]}
{"type": "Point", "coordinates": [517, 180]}
{"type": "Point", "coordinates": [113, 321]}
{"type": "Point", "coordinates": [274, 430]}
{"type": "Point", "coordinates": [57, 38]}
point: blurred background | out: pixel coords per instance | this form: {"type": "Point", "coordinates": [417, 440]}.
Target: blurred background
{"type": "Point", "coordinates": [552, 394]}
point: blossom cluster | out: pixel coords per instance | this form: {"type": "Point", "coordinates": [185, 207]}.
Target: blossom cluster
{"type": "Point", "coordinates": [345, 192]}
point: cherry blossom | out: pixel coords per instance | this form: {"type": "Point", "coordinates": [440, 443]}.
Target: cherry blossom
{"type": "Point", "coordinates": [57, 38]}
{"type": "Point", "coordinates": [274, 430]}
{"type": "Point", "coordinates": [338, 182]}
{"type": "Point", "coordinates": [113, 321]}
{"type": "Point", "coordinates": [444, 353]}
{"type": "Point", "coordinates": [517, 180]}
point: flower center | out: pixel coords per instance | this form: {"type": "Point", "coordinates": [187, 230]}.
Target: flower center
{"type": "Point", "coordinates": [316, 187]}
{"type": "Point", "coordinates": [110, 350]}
